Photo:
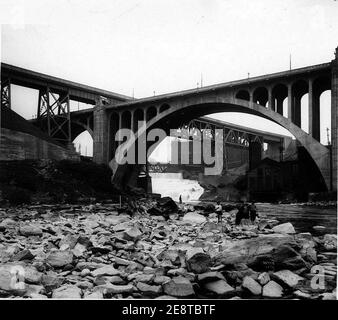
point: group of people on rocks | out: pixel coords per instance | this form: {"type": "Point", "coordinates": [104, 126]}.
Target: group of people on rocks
{"type": "Point", "coordinates": [246, 212]}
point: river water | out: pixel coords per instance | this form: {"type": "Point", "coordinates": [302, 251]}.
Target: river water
{"type": "Point", "coordinates": [303, 218]}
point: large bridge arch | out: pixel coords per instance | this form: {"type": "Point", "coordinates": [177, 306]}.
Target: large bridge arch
{"type": "Point", "coordinates": [182, 110]}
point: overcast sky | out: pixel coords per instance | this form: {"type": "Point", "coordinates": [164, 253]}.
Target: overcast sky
{"type": "Point", "coordinates": [143, 46]}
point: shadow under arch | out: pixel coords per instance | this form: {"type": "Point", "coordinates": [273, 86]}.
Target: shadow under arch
{"type": "Point", "coordinates": [183, 111]}
{"type": "Point", "coordinates": [78, 127]}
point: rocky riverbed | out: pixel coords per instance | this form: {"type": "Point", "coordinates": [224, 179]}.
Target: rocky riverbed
{"type": "Point", "coordinates": [163, 251]}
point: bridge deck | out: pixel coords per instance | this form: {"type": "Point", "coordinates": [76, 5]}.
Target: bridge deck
{"type": "Point", "coordinates": [37, 80]}
{"type": "Point", "coordinates": [236, 83]}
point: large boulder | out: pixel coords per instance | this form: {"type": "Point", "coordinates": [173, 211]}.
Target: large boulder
{"type": "Point", "coordinates": [12, 279]}
{"type": "Point", "coordinates": [285, 228]}
{"type": "Point", "coordinates": [178, 287]}
{"type": "Point", "coordinates": [246, 251]}
{"type": "Point", "coordinates": [164, 206]}
{"type": "Point", "coordinates": [285, 257]}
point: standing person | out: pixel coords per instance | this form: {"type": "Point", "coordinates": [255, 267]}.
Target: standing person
{"type": "Point", "coordinates": [219, 212]}
{"type": "Point", "coordinates": [180, 199]}
{"type": "Point", "coordinates": [245, 214]}
{"type": "Point", "coordinates": [239, 214]}
{"type": "Point", "coordinates": [253, 212]}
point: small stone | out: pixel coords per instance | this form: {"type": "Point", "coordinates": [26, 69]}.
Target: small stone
{"type": "Point", "coordinates": [330, 242]}
{"type": "Point", "coordinates": [178, 287]}
{"type": "Point", "coordinates": [161, 279]}
{"type": "Point", "coordinates": [84, 285]}
{"type": "Point", "coordinates": [106, 271]}
{"type": "Point", "coordinates": [145, 278]}
{"type": "Point", "coordinates": [113, 220]}
{"type": "Point", "coordinates": [328, 296]}
{"type": "Point", "coordinates": [38, 296]}
{"type": "Point", "coordinates": [59, 259]}
{"type": "Point", "coordinates": [197, 260]}
{"type": "Point", "coordinates": [220, 287]}
{"type": "Point", "coordinates": [302, 295]}
{"type": "Point", "coordinates": [23, 255]}
{"type": "Point", "coordinates": [194, 218]}
{"type": "Point", "coordinates": [30, 230]}
{"type": "Point", "coordinates": [319, 228]}
{"type": "Point", "coordinates": [272, 290]}
{"type": "Point", "coordinates": [165, 297]}
{"type": "Point", "coordinates": [145, 288]}
{"type": "Point", "coordinates": [287, 277]}
{"type": "Point", "coordinates": [32, 289]}
{"type": "Point", "coordinates": [132, 234]}
{"type": "Point", "coordinates": [67, 292]}
{"type": "Point", "coordinates": [122, 262]}
{"type": "Point", "coordinates": [32, 275]}
{"type": "Point", "coordinates": [263, 278]}
{"type": "Point", "coordinates": [85, 272]}
{"type": "Point", "coordinates": [97, 295]}
{"type": "Point", "coordinates": [251, 285]}
{"type": "Point", "coordinates": [51, 282]}
{"type": "Point", "coordinates": [79, 250]}
{"type": "Point", "coordinates": [285, 228]}
{"type": "Point", "coordinates": [8, 223]}
{"type": "Point", "coordinates": [209, 276]}
{"type": "Point", "coordinates": [109, 288]}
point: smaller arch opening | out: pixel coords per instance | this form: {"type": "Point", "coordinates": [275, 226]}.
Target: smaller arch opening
{"type": "Point", "coordinates": [279, 94]}
{"type": "Point", "coordinates": [164, 107]}
{"type": "Point", "coordinates": [243, 94]}
{"type": "Point", "coordinates": [299, 89]}
{"type": "Point", "coordinates": [261, 96]}
{"type": "Point", "coordinates": [138, 116]}
{"type": "Point", "coordinates": [126, 120]}
{"type": "Point", "coordinates": [151, 113]}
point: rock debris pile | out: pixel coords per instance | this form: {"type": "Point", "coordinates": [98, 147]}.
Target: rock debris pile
{"type": "Point", "coordinates": [163, 251]}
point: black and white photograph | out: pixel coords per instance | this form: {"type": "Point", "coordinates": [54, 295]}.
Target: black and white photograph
{"type": "Point", "coordinates": [176, 152]}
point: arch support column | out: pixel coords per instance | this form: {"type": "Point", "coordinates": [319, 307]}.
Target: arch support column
{"type": "Point", "coordinates": [311, 107]}
{"type": "Point", "coordinates": [271, 100]}
{"type": "Point", "coordinates": [290, 101]}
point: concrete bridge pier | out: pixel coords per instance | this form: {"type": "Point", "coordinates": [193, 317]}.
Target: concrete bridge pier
{"type": "Point", "coordinates": [100, 133]}
{"type": "Point", "coordinates": [334, 119]}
